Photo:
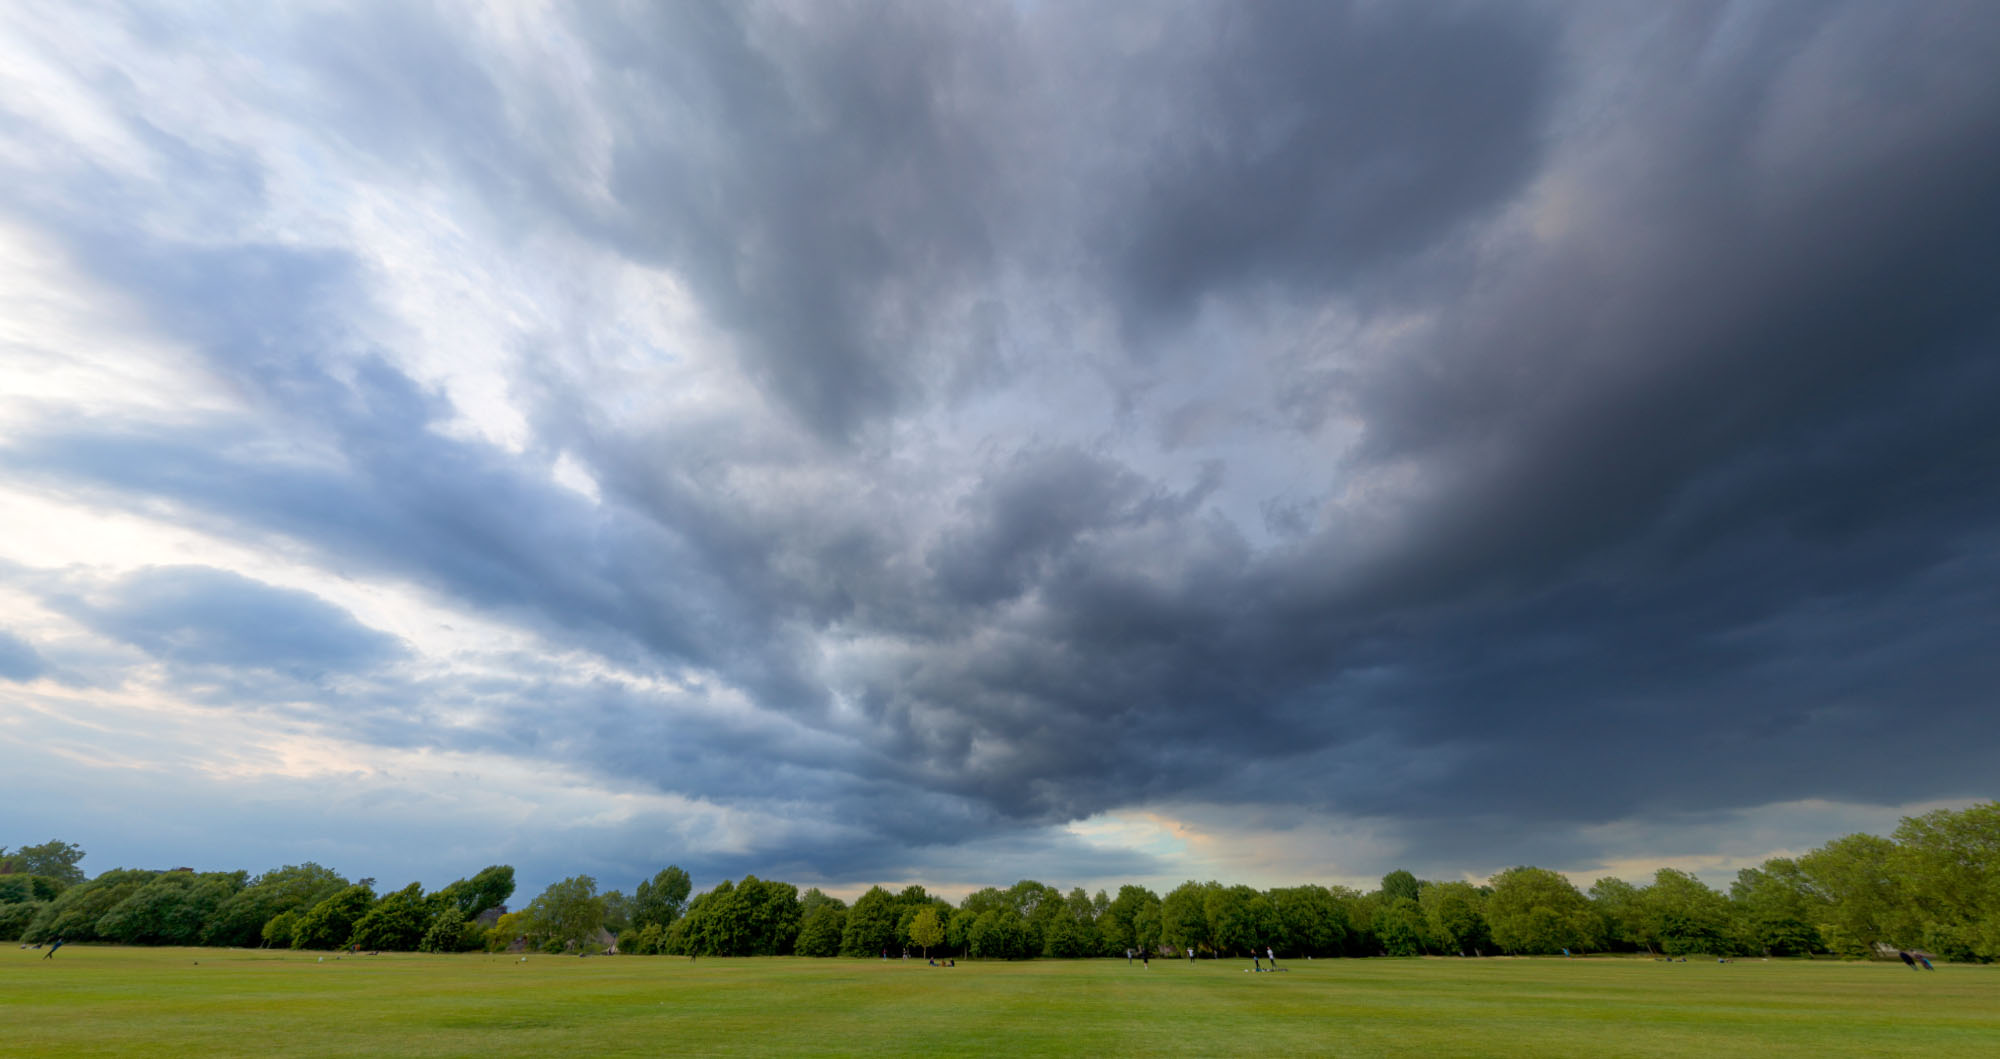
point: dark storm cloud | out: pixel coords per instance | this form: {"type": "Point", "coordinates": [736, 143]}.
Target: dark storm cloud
{"type": "Point", "coordinates": [1673, 493]}
{"type": "Point", "coordinates": [1648, 455]}
{"type": "Point", "coordinates": [826, 180]}
{"type": "Point", "coordinates": [1313, 143]}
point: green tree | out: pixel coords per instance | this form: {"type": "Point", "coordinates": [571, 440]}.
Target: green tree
{"type": "Point", "coordinates": [756, 917]}
{"type": "Point", "coordinates": [282, 928]}
{"type": "Point", "coordinates": [813, 899]}
{"type": "Point", "coordinates": [510, 927]}
{"type": "Point", "coordinates": [1775, 910]}
{"type": "Point", "coordinates": [568, 912]}
{"type": "Point", "coordinates": [399, 921]}
{"type": "Point", "coordinates": [1398, 884]}
{"type": "Point", "coordinates": [1534, 910]}
{"type": "Point", "coordinates": [1310, 921]}
{"type": "Point", "coordinates": [617, 911]}
{"type": "Point", "coordinates": [871, 924]}
{"type": "Point", "coordinates": [1069, 930]}
{"type": "Point", "coordinates": [241, 918]}
{"type": "Point", "coordinates": [1117, 925]}
{"type": "Point", "coordinates": [820, 932]}
{"type": "Point", "coordinates": [55, 859]}
{"type": "Point", "coordinates": [1454, 913]}
{"type": "Point", "coordinates": [1040, 906]}
{"type": "Point", "coordinates": [489, 889]}
{"type": "Point", "coordinates": [1358, 912]}
{"type": "Point", "coordinates": [73, 915]}
{"type": "Point", "coordinates": [999, 934]}
{"type": "Point", "coordinates": [1948, 865]}
{"type": "Point", "coordinates": [330, 923]}
{"type": "Point", "coordinates": [1399, 926]}
{"type": "Point", "coordinates": [170, 909]}
{"type": "Point", "coordinates": [958, 930]}
{"type": "Point", "coordinates": [1622, 907]}
{"type": "Point", "coordinates": [15, 889]}
{"type": "Point", "coordinates": [662, 898]}
{"type": "Point", "coordinates": [984, 900]}
{"type": "Point", "coordinates": [15, 917]}
{"type": "Point", "coordinates": [1240, 920]}
{"type": "Point", "coordinates": [1859, 894]}
{"type": "Point", "coordinates": [1184, 916]}
{"type": "Point", "coordinates": [1686, 915]}
{"type": "Point", "coordinates": [926, 930]}
{"type": "Point", "coordinates": [449, 931]}
{"type": "Point", "coordinates": [1147, 929]}
{"type": "Point", "coordinates": [652, 941]}
{"type": "Point", "coordinates": [708, 927]}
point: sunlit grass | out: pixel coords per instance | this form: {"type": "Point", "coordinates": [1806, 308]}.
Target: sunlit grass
{"type": "Point", "coordinates": [91, 1001]}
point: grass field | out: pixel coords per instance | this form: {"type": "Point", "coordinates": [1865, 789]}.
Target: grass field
{"type": "Point", "coordinates": [92, 1001]}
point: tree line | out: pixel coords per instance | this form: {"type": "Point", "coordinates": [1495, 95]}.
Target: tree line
{"type": "Point", "coordinates": [1933, 886]}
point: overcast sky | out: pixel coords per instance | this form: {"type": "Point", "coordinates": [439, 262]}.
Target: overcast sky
{"type": "Point", "coordinates": [959, 442]}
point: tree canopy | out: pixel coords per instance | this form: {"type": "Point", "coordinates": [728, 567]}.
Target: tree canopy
{"type": "Point", "coordinates": [1934, 885]}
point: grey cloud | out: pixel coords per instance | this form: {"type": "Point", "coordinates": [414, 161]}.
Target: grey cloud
{"type": "Point", "coordinates": [204, 616]}
{"type": "Point", "coordinates": [19, 660]}
{"type": "Point", "coordinates": [1314, 143]}
{"type": "Point", "coordinates": [824, 181]}
{"type": "Point", "coordinates": [1027, 516]}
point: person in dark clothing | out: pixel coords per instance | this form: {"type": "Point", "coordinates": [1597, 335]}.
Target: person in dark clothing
{"type": "Point", "coordinates": [52, 949]}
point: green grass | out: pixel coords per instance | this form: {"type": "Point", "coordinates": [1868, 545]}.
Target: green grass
{"type": "Point", "coordinates": [101, 1001]}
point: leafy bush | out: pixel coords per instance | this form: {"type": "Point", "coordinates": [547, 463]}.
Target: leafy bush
{"type": "Point", "coordinates": [73, 915]}
{"type": "Point", "coordinates": [15, 917]}
{"type": "Point", "coordinates": [451, 932]}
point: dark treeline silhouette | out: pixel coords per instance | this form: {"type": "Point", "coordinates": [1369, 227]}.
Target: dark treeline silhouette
{"type": "Point", "coordinates": [1933, 887]}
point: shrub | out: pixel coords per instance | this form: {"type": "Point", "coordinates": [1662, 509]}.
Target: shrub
{"type": "Point", "coordinates": [15, 917]}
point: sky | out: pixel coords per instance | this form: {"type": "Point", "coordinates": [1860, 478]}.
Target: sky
{"type": "Point", "coordinates": [952, 443]}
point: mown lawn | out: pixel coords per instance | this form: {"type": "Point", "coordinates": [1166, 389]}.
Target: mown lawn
{"type": "Point", "coordinates": [101, 1001]}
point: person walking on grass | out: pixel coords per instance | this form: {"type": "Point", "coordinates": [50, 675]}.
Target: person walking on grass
{"type": "Point", "coordinates": [51, 954]}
